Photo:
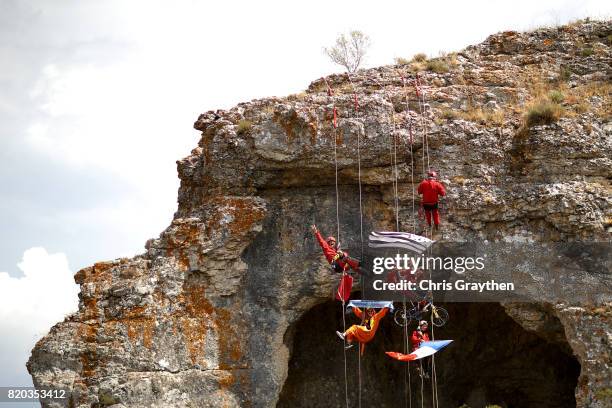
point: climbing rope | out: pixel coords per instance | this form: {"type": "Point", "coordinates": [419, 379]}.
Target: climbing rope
{"type": "Point", "coordinates": [395, 182]}
{"type": "Point", "coordinates": [421, 364]}
{"type": "Point", "coordinates": [425, 157]}
{"type": "Point", "coordinates": [407, 380]}
{"type": "Point", "coordinates": [410, 141]}
{"type": "Point", "coordinates": [356, 112]}
{"type": "Point", "coordinates": [330, 93]}
{"type": "Point", "coordinates": [421, 98]}
{"type": "Point", "coordinates": [406, 342]}
{"type": "Point", "coordinates": [395, 172]}
{"type": "Point", "coordinates": [344, 347]}
{"type": "Point", "coordinates": [434, 382]}
{"type": "Point", "coordinates": [393, 153]}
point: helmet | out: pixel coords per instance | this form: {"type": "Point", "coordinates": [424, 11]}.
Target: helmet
{"type": "Point", "coordinates": [432, 174]}
{"type": "Point", "coordinates": [422, 322]}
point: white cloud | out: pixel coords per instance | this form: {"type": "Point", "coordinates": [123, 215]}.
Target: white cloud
{"type": "Point", "coordinates": [30, 305]}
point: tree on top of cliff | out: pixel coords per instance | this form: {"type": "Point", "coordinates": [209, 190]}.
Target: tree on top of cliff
{"type": "Point", "coordinates": [349, 52]}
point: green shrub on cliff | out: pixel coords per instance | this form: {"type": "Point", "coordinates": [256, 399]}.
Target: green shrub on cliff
{"type": "Point", "coordinates": [439, 66]}
{"type": "Point", "coordinates": [420, 57]}
{"type": "Point", "coordinates": [586, 52]}
{"type": "Point", "coordinates": [556, 96]}
{"type": "Point", "coordinates": [546, 109]}
{"type": "Point", "coordinates": [244, 126]}
{"type": "Point", "coordinates": [543, 112]}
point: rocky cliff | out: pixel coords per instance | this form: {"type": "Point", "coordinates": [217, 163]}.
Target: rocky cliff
{"type": "Point", "coordinates": [231, 305]}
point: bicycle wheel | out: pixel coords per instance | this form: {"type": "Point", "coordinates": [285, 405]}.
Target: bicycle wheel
{"type": "Point", "coordinates": [439, 316]}
{"type": "Point", "coordinates": [400, 317]}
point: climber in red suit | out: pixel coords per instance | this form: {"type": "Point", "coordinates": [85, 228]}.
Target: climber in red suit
{"type": "Point", "coordinates": [431, 190]}
{"type": "Point", "coordinates": [419, 336]}
{"type": "Point", "coordinates": [338, 259]}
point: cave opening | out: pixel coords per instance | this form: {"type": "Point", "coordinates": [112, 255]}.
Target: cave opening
{"type": "Point", "coordinates": [492, 361]}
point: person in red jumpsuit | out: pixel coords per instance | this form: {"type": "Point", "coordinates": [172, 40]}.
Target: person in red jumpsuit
{"type": "Point", "coordinates": [431, 189]}
{"type": "Point", "coordinates": [338, 259]}
{"type": "Point", "coordinates": [419, 336]}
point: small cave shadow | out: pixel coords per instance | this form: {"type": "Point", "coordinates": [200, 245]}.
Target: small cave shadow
{"type": "Point", "coordinates": [492, 360]}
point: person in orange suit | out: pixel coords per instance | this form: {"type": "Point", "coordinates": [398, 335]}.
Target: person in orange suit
{"type": "Point", "coordinates": [365, 332]}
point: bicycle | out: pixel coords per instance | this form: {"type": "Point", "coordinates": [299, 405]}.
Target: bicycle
{"type": "Point", "coordinates": [439, 315]}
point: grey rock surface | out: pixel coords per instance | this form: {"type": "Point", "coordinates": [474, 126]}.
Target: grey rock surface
{"type": "Point", "coordinates": [204, 317]}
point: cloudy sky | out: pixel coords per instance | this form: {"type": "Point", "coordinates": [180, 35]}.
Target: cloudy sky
{"type": "Point", "coordinates": [98, 98]}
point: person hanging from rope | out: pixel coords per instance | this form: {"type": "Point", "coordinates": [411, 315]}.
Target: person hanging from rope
{"type": "Point", "coordinates": [363, 333]}
{"type": "Point", "coordinates": [338, 259]}
{"type": "Point", "coordinates": [419, 336]}
{"type": "Point", "coordinates": [431, 189]}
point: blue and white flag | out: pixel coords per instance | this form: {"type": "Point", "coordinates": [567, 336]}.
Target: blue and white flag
{"type": "Point", "coordinates": [406, 240]}
{"type": "Point", "coordinates": [371, 304]}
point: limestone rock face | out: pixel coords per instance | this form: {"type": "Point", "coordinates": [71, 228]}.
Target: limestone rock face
{"type": "Point", "coordinates": [206, 316]}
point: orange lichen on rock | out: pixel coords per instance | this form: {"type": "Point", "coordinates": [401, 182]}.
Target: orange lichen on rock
{"type": "Point", "coordinates": [288, 124]}
{"type": "Point", "coordinates": [98, 274]}
{"type": "Point", "coordinates": [196, 304]}
{"type": "Point", "coordinates": [90, 363]}
{"type": "Point", "coordinates": [88, 332]}
{"type": "Point", "coordinates": [184, 236]}
{"type": "Point", "coordinates": [230, 346]}
{"type": "Point", "coordinates": [313, 129]}
{"type": "Point", "coordinates": [196, 320]}
{"type": "Point", "coordinates": [139, 324]}
{"type": "Point", "coordinates": [141, 329]}
{"type": "Point", "coordinates": [194, 334]}
{"type": "Point", "coordinates": [225, 383]}
{"type": "Point", "coordinates": [90, 309]}
{"type": "Point", "coordinates": [241, 213]}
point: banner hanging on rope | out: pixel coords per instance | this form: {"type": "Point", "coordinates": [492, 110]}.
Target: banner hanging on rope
{"type": "Point", "coordinates": [426, 349]}
{"type": "Point", "coordinates": [406, 240]}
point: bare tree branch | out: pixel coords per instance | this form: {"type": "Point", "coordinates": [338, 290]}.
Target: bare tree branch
{"type": "Point", "coordinates": [350, 52]}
